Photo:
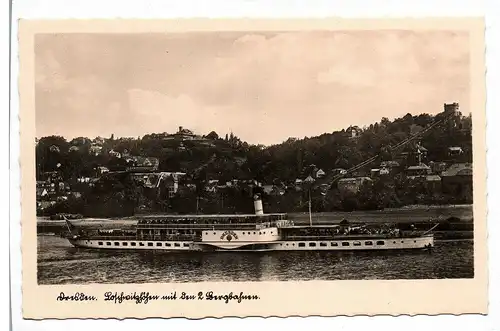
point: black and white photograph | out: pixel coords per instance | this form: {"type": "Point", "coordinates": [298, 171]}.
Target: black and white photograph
{"type": "Point", "coordinates": [201, 162]}
{"type": "Point", "coordinates": [253, 156]}
{"type": "Point", "coordinates": [215, 168]}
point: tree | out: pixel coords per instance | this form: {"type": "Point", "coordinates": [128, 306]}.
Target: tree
{"type": "Point", "coordinates": [385, 122]}
{"type": "Point", "coordinates": [50, 154]}
{"type": "Point", "coordinates": [113, 195]}
{"type": "Point", "coordinates": [230, 158]}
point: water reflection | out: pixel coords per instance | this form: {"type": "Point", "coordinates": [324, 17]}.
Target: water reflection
{"type": "Point", "coordinates": [59, 263]}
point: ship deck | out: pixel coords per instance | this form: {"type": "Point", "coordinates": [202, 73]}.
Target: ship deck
{"type": "Point", "coordinates": [198, 216]}
{"type": "Point", "coordinates": [352, 237]}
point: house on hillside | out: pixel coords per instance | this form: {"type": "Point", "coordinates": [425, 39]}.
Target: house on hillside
{"type": "Point", "coordinates": [421, 170]}
{"type": "Point", "coordinates": [101, 170]}
{"type": "Point", "coordinates": [141, 163]}
{"type": "Point", "coordinates": [267, 189]}
{"type": "Point", "coordinates": [190, 187]}
{"type": "Point", "coordinates": [170, 180]}
{"type": "Point", "coordinates": [389, 167]}
{"type": "Point", "coordinates": [80, 141]}
{"type": "Point", "coordinates": [433, 183]}
{"type": "Point", "coordinates": [51, 177]}
{"type": "Point", "coordinates": [384, 171]}
{"type": "Point", "coordinates": [309, 180]}
{"type": "Point", "coordinates": [458, 180]}
{"type": "Point", "coordinates": [62, 186]}
{"type": "Point", "coordinates": [458, 169]}
{"type": "Point", "coordinates": [211, 185]}
{"type": "Point", "coordinates": [353, 131]}
{"type": "Point", "coordinates": [375, 172]}
{"type": "Point", "coordinates": [114, 153]}
{"type": "Point", "coordinates": [41, 193]}
{"type": "Point", "coordinates": [99, 141]}
{"type": "Point", "coordinates": [95, 150]}
{"type": "Point", "coordinates": [339, 171]}
{"type": "Point", "coordinates": [352, 185]}
{"type": "Point", "coordinates": [412, 154]}
{"type": "Point", "coordinates": [83, 180]}
{"type": "Point", "coordinates": [45, 204]}
{"type": "Point", "coordinates": [455, 151]}
{"type": "Point", "coordinates": [54, 149]}
{"type": "Point", "coordinates": [172, 185]}
{"type": "Point", "coordinates": [146, 180]}
{"type": "Point", "coordinates": [323, 188]}
{"type": "Point", "coordinates": [181, 147]}
{"type": "Point", "coordinates": [184, 134]}
{"type": "Point", "coordinates": [402, 157]}
{"type": "Point", "coordinates": [437, 167]}
{"type": "Point", "coordinates": [273, 190]}
{"type": "Point", "coordinates": [76, 195]}
{"type": "Point", "coordinates": [309, 170]}
{"type": "Point", "coordinates": [319, 173]}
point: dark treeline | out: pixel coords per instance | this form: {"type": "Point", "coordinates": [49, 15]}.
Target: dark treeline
{"type": "Point", "coordinates": [226, 158]}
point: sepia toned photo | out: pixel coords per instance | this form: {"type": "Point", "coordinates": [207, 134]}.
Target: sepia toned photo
{"type": "Point", "coordinates": [209, 165]}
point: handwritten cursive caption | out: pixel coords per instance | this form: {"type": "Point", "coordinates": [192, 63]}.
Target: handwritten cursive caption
{"type": "Point", "coordinates": [147, 297]}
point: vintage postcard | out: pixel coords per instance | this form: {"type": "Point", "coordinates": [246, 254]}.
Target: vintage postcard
{"type": "Point", "coordinates": [211, 168]}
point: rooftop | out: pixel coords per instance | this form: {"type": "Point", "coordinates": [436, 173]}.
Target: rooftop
{"type": "Point", "coordinates": [433, 178]}
{"type": "Point", "coordinates": [354, 179]}
{"type": "Point", "coordinates": [418, 167]}
{"type": "Point", "coordinates": [458, 169]}
{"type": "Point", "coordinates": [389, 164]}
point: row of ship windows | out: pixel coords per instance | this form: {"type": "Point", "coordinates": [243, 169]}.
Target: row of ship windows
{"type": "Point", "coordinates": [311, 244]}
{"type": "Point", "coordinates": [243, 233]}
{"type": "Point", "coordinates": [344, 243]}
{"type": "Point", "coordinates": [141, 244]}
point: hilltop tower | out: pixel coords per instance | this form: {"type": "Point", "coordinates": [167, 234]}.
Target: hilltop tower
{"type": "Point", "coordinates": [451, 107]}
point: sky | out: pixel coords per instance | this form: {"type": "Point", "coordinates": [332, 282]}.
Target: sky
{"type": "Point", "coordinates": [264, 87]}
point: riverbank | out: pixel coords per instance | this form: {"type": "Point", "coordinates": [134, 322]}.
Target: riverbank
{"type": "Point", "coordinates": [455, 222]}
{"type": "Point", "coordinates": [415, 207]}
{"type": "Point", "coordinates": [409, 214]}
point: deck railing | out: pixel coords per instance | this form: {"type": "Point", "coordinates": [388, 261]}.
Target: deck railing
{"type": "Point", "coordinates": [350, 236]}
{"type": "Point", "coordinates": [98, 237]}
{"type": "Point", "coordinates": [221, 218]}
{"type": "Point", "coordinates": [144, 237]}
{"type": "Point", "coordinates": [232, 226]}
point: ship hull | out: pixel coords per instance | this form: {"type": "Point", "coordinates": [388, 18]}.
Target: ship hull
{"type": "Point", "coordinates": [360, 244]}
{"type": "Point", "coordinates": [355, 245]}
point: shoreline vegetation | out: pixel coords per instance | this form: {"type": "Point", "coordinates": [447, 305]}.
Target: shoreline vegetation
{"type": "Point", "coordinates": [382, 166]}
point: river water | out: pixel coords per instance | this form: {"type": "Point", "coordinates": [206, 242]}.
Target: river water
{"type": "Point", "coordinates": [61, 263]}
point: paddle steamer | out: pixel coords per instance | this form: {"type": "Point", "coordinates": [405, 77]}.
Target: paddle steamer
{"type": "Point", "coordinates": [251, 232]}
